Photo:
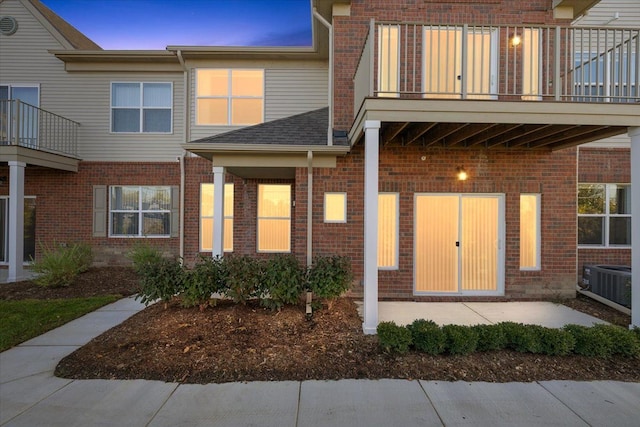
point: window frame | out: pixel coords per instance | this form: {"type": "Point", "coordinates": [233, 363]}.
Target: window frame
{"type": "Point", "coordinates": [606, 217]}
{"type": "Point", "coordinates": [258, 218]}
{"type": "Point", "coordinates": [396, 255]}
{"type": "Point", "coordinates": [538, 220]}
{"type": "Point", "coordinates": [227, 186]}
{"type": "Point", "coordinates": [140, 212]}
{"type": "Point", "coordinates": [229, 97]}
{"type": "Point", "coordinates": [141, 108]}
{"type": "Point", "coordinates": [344, 201]}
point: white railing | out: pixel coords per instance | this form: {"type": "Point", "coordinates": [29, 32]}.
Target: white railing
{"type": "Point", "coordinates": [528, 63]}
{"type": "Point", "coordinates": [28, 126]}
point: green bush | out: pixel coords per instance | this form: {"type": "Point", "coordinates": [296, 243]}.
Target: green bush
{"type": "Point", "coordinates": [460, 339]}
{"type": "Point", "coordinates": [142, 255]}
{"type": "Point", "coordinates": [59, 265]}
{"type": "Point", "coordinates": [555, 342]}
{"type": "Point", "coordinates": [330, 276]}
{"type": "Point", "coordinates": [393, 338]}
{"type": "Point", "coordinates": [427, 336]}
{"type": "Point", "coordinates": [522, 338]}
{"type": "Point", "coordinates": [160, 280]}
{"type": "Point", "coordinates": [490, 337]}
{"type": "Point", "coordinates": [282, 281]}
{"type": "Point", "coordinates": [623, 341]}
{"type": "Point", "coordinates": [243, 276]}
{"type": "Point", "coordinates": [206, 278]}
{"type": "Point", "coordinates": [590, 341]}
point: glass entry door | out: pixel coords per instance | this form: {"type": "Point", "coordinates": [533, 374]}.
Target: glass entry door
{"type": "Point", "coordinates": [458, 244]}
{"type": "Point", "coordinates": [29, 229]}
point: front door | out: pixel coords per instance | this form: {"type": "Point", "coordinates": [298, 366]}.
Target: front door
{"type": "Point", "coordinates": [459, 244]}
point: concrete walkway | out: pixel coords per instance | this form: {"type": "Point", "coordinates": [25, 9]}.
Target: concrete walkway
{"type": "Point", "coordinates": [31, 396]}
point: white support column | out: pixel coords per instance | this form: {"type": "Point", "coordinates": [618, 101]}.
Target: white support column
{"type": "Point", "coordinates": [309, 208]}
{"type": "Point", "coordinates": [218, 212]}
{"type": "Point", "coordinates": [371, 154]}
{"type": "Point", "coordinates": [634, 133]}
{"type": "Point", "coordinates": [16, 221]}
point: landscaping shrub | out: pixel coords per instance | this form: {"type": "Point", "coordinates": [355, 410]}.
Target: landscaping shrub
{"type": "Point", "coordinates": [460, 339]}
{"type": "Point", "coordinates": [522, 338]}
{"type": "Point", "coordinates": [330, 276]}
{"type": "Point", "coordinates": [243, 277]}
{"type": "Point", "coordinates": [590, 341]}
{"type": "Point", "coordinates": [490, 337]}
{"type": "Point", "coordinates": [142, 255]}
{"type": "Point", "coordinates": [282, 281]}
{"type": "Point", "coordinates": [59, 265]}
{"type": "Point", "coordinates": [555, 342]}
{"type": "Point", "coordinates": [206, 278]}
{"type": "Point", "coordinates": [427, 336]}
{"type": "Point", "coordinates": [623, 341]}
{"type": "Point", "coordinates": [393, 338]}
{"type": "Point", "coordinates": [160, 280]}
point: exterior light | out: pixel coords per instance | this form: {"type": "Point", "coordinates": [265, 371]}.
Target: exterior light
{"type": "Point", "coordinates": [515, 40]}
{"type": "Point", "coordinates": [461, 174]}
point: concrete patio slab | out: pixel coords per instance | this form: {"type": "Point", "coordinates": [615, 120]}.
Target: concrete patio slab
{"type": "Point", "coordinates": [600, 403]}
{"type": "Point", "coordinates": [231, 404]}
{"type": "Point", "coordinates": [20, 362]}
{"type": "Point", "coordinates": [443, 313]}
{"type": "Point", "coordinates": [20, 395]}
{"type": "Point", "coordinates": [542, 313]}
{"type": "Point", "coordinates": [365, 403]}
{"type": "Point", "coordinates": [498, 404]}
{"type": "Point", "coordinates": [99, 403]}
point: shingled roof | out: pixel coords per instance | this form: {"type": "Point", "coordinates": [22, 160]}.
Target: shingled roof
{"type": "Point", "coordinates": [306, 129]}
{"type": "Point", "coordinates": [66, 30]}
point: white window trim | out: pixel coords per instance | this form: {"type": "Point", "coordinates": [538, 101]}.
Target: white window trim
{"type": "Point", "coordinates": [258, 218]}
{"type": "Point", "coordinates": [225, 217]}
{"type": "Point", "coordinates": [396, 255]}
{"type": "Point", "coordinates": [335, 221]}
{"type": "Point", "coordinates": [230, 97]}
{"type": "Point", "coordinates": [140, 213]}
{"type": "Point", "coordinates": [141, 108]}
{"type": "Point", "coordinates": [538, 266]}
{"type": "Point", "coordinates": [606, 215]}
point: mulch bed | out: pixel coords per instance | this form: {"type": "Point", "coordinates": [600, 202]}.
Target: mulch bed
{"type": "Point", "coordinates": [249, 343]}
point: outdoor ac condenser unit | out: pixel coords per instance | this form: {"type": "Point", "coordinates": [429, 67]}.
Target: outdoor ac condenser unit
{"type": "Point", "coordinates": [612, 282]}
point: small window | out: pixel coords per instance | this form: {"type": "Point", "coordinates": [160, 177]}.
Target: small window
{"type": "Point", "coordinates": [229, 97]}
{"type": "Point", "coordinates": [141, 107]}
{"type": "Point", "coordinates": [207, 218]}
{"type": "Point", "coordinates": [274, 218]}
{"type": "Point", "coordinates": [335, 207]}
{"type": "Point", "coordinates": [140, 211]}
{"type": "Point", "coordinates": [530, 232]}
{"type": "Point", "coordinates": [388, 231]}
{"type": "Point", "coordinates": [604, 215]}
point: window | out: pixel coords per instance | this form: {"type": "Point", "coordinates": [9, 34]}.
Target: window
{"type": "Point", "coordinates": [29, 229]}
{"type": "Point", "coordinates": [141, 107]}
{"type": "Point", "coordinates": [388, 231]}
{"type": "Point", "coordinates": [388, 66]}
{"type": "Point", "coordinates": [531, 76]}
{"type": "Point", "coordinates": [206, 217]}
{"type": "Point", "coordinates": [28, 132]}
{"type": "Point", "coordinates": [335, 207]}
{"type": "Point", "coordinates": [140, 211]}
{"type": "Point", "coordinates": [274, 218]}
{"type": "Point", "coordinates": [604, 215]}
{"type": "Point", "coordinates": [229, 97]}
{"type": "Point", "coordinates": [529, 232]}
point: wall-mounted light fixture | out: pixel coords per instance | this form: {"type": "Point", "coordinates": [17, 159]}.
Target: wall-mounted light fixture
{"type": "Point", "coordinates": [515, 40]}
{"type": "Point", "coordinates": [461, 174]}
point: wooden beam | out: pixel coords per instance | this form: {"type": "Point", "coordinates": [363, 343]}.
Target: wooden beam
{"type": "Point", "coordinates": [490, 133]}
{"type": "Point", "coordinates": [416, 131]}
{"type": "Point", "coordinates": [391, 131]}
{"type": "Point", "coordinates": [595, 136]}
{"type": "Point", "coordinates": [467, 132]}
{"type": "Point", "coordinates": [443, 130]}
{"type": "Point", "coordinates": [577, 132]}
{"type": "Point", "coordinates": [547, 131]}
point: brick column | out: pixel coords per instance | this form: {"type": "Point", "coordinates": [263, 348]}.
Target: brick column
{"type": "Point", "coordinates": [371, 154]}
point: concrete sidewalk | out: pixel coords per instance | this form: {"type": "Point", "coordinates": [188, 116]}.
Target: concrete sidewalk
{"type": "Point", "coordinates": [31, 396]}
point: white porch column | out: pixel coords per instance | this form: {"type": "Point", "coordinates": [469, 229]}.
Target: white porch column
{"type": "Point", "coordinates": [218, 212]}
{"type": "Point", "coordinates": [371, 154]}
{"type": "Point", "coordinates": [634, 133]}
{"type": "Point", "coordinates": [16, 221]}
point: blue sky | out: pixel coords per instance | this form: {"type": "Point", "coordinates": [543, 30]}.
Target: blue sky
{"type": "Point", "coordinates": [154, 24]}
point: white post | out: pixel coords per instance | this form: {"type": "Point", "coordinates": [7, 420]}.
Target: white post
{"type": "Point", "coordinates": [218, 212]}
{"type": "Point", "coordinates": [371, 148]}
{"type": "Point", "coordinates": [634, 133]}
{"type": "Point", "coordinates": [16, 221]}
{"type": "Point", "coordinates": [309, 208]}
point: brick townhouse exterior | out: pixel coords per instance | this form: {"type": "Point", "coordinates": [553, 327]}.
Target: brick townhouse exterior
{"type": "Point", "coordinates": [352, 146]}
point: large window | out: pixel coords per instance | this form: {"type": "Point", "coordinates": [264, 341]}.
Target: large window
{"type": "Point", "coordinates": [530, 232]}
{"type": "Point", "coordinates": [274, 218]}
{"type": "Point", "coordinates": [388, 65]}
{"type": "Point", "coordinates": [388, 231]}
{"type": "Point", "coordinates": [140, 211]}
{"type": "Point", "coordinates": [604, 215]}
{"type": "Point", "coordinates": [141, 107]}
{"type": "Point", "coordinates": [229, 97]}
{"type": "Point", "coordinates": [207, 219]}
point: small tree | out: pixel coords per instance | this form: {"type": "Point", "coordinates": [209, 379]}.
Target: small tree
{"type": "Point", "coordinates": [329, 277]}
{"type": "Point", "coordinates": [200, 283]}
{"type": "Point", "coordinates": [282, 281]}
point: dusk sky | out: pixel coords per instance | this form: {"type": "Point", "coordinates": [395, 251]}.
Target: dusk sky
{"type": "Point", "coordinates": [154, 24]}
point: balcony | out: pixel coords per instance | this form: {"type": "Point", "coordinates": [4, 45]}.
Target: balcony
{"type": "Point", "coordinates": [497, 86]}
{"type": "Point", "coordinates": [35, 136]}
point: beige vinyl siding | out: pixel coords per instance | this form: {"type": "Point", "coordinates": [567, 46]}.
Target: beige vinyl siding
{"type": "Point", "coordinates": [289, 90]}
{"type": "Point", "coordinates": [602, 13]}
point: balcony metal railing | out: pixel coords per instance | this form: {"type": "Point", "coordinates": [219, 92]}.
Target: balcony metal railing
{"type": "Point", "coordinates": [28, 126]}
{"type": "Point", "coordinates": [529, 63]}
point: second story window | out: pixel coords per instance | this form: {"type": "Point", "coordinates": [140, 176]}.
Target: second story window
{"type": "Point", "coordinates": [141, 107]}
{"type": "Point", "coordinates": [229, 97]}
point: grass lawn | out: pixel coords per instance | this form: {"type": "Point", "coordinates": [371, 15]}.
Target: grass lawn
{"type": "Point", "coordinates": [21, 320]}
